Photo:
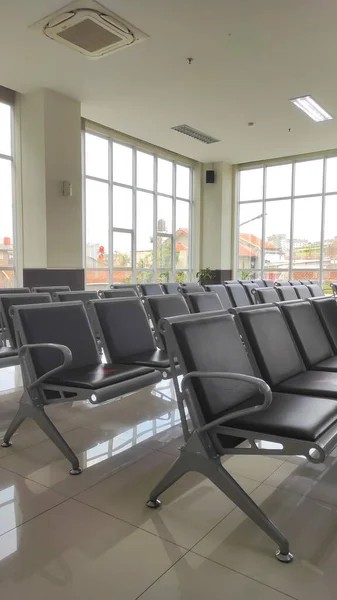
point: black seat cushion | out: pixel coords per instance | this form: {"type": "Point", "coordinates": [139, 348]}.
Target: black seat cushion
{"type": "Point", "coordinates": [307, 331]}
{"type": "Point", "coordinates": [157, 359]}
{"type": "Point", "coordinates": [237, 294]}
{"type": "Point", "coordinates": [19, 299]}
{"type": "Point", "coordinates": [271, 343]}
{"type": "Point", "coordinates": [293, 416]}
{"type": "Point", "coordinates": [6, 352]}
{"type": "Point", "coordinates": [204, 302]}
{"type": "Point", "coordinates": [212, 343]}
{"type": "Point", "coordinates": [311, 383]}
{"type": "Point", "coordinates": [222, 293]}
{"type": "Point", "coordinates": [329, 364]}
{"type": "Point", "coordinates": [125, 327]}
{"type": "Point", "coordinates": [94, 377]}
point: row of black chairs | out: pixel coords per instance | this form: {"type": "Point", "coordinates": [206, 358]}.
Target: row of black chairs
{"type": "Point", "coordinates": [265, 373]}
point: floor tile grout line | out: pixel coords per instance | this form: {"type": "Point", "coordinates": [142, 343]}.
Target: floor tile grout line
{"type": "Point", "coordinates": [162, 575]}
{"type": "Point", "coordinates": [35, 517]}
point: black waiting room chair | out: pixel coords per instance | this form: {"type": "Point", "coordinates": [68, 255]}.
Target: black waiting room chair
{"type": "Point", "coordinates": [227, 404]}
{"type": "Point", "coordinates": [6, 304]}
{"type": "Point", "coordinates": [221, 291]}
{"type": "Point", "coordinates": [238, 295]}
{"type": "Point", "coordinates": [326, 308]}
{"type": "Point", "coordinates": [302, 292]}
{"type": "Point", "coordinates": [150, 289]}
{"type": "Point", "coordinates": [200, 303]}
{"type": "Point", "coordinates": [23, 290]}
{"type": "Point", "coordinates": [286, 292]}
{"type": "Point", "coordinates": [60, 362]}
{"type": "Point", "coordinates": [125, 286]}
{"type": "Point", "coordinates": [171, 288]}
{"type": "Point", "coordinates": [266, 295]}
{"type": "Point", "coordinates": [191, 288]}
{"type": "Point", "coordinates": [158, 307]}
{"type": "Point", "coordinates": [51, 289]}
{"type": "Point", "coordinates": [82, 296]}
{"type": "Point", "coordinates": [118, 293]}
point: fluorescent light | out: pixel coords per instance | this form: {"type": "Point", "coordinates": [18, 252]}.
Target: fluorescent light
{"type": "Point", "coordinates": [311, 108]}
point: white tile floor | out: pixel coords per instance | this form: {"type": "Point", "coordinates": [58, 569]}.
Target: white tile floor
{"type": "Point", "coordinates": [92, 535]}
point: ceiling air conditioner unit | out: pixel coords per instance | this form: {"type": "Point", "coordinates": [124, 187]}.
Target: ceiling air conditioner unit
{"type": "Point", "coordinates": [89, 28]}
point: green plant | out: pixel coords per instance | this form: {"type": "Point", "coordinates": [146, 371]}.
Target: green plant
{"type": "Point", "coordinates": [205, 276]}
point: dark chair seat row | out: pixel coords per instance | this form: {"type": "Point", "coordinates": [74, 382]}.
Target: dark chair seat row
{"type": "Point", "coordinates": [280, 386]}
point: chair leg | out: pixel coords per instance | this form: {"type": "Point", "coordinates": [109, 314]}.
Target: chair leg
{"type": "Point", "coordinates": [214, 470]}
{"type": "Point", "coordinates": [54, 435]}
{"type": "Point", "coordinates": [177, 470]}
{"type": "Point", "coordinates": [19, 418]}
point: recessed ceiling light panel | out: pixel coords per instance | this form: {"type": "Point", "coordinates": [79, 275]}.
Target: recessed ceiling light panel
{"type": "Point", "coordinates": [312, 108]}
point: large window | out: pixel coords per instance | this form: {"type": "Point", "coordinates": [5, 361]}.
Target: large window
{"type": "Point", "coordinates": [287, 221]}
{"type": "Point", "coordinates": [137, 215]}
{"type": "Point", "coordinates": [7, 273]}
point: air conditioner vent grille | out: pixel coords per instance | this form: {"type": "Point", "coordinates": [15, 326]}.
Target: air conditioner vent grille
{"type": "Point", "coordinates": [90, 36]}
{"type": "Point", "coordinates": [194, 133]}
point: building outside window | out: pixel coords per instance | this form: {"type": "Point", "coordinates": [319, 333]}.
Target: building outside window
{"type": "Point", "coordinates": [137, 209]}
{"type": "Point", "coordinates": [7, 263]}
{"type": "Point", "coordinates": [287, 221]}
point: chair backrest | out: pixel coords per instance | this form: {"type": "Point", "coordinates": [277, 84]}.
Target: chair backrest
{"type": "Point", "coordinates": [24, 290]}
{"type": "Point", "coordinates": [237, 294]}
{"type": "Point", "coordinates": [306, 281]}
{"type": "Point", "coordinates": [123, 327]}
{"type": "Point", "coordinates": [171, 288]}
{"type": "Point", "coordinates": [125, 286]}
{"type": "Point", "coordinates": [258, 282]}
{"type": "Point", "coordinates": [51, 289]}
{"type": "Point", "coordinates": [151, 289]}
{"type": "Point", "coordinates": [268, 282]}
{"type": "Point", "coordinates": [191, 288]}
{"type": "Point", "coordinates": [204, 302]}
{"type": "Point", "coordinates": [302, 291]}
{"type": "Point", "coordinates": [315, 289]}
{"type": "Point", "coordinates": [307, 332]}
{"type": "Point", "coordinates": [222, 293]}
{"type": "Point", "coordinates": [210, 343]}
{"type": "Point", "coordinates": [281, 283]}
{"type": "Point", "coordinates": [59, 323]}
{"type": "Point", "coordinates": [123, 293]}
{"type": "Point", "coordinates": [326, 309]}
{"type": "Point", "coordinates": [249, 287]}
{"type": "Point", "coordinates": [266, 295]}
{"type": "Point", "coordinates": [158, 307]}
{"type": "Point", "coordinates": [9, 300]}
{"type": "Point", "coordinates": [295, 282]}
{"type": "Point", "coordinates": [286, 292]}
{"type": "Point", "coordinates": [83, 296]}
{"type": "Point", "coordinates": [266, 334]}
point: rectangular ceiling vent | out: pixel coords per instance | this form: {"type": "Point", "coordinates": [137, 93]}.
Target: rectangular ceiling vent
{"type": "Point", "coordinates": [89, 28]}
{"type": "Point", "coordinates": [194, 133]}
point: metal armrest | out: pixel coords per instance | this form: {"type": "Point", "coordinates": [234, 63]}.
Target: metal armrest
{"type": "Point", "coordinates": [261, 385]}
{"type": "Point", "coordinates": [67, 355]}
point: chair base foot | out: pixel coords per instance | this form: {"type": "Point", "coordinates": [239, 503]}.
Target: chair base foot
{"type": "Point", "coordinates": [6, 444]}
{"type": "Point", "coordinates": [153, 503]}
{"type": "Point", "coordinates": [75, 471]}
{"type": "Point", "coordinates": [285, 558]}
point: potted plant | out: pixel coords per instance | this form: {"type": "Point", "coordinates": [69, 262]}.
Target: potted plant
{"type": "Point", "coordinates": [205, 276]}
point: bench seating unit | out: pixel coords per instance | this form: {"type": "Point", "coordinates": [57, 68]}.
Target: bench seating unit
{"type": "Point", "coordinates": [60, 362]}
{"type": "Point", "coordinates": [227, 404]}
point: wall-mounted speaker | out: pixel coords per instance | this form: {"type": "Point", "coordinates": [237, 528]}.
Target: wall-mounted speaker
{"type": "Point", "coordinates": [210, 176]}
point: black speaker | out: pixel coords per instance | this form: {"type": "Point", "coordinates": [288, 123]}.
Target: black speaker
{"type": "Point", "coordinates": [210, 176]}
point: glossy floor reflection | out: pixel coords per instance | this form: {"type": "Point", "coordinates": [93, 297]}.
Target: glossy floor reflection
{"type": "Point", "coordinates": [80, 537]}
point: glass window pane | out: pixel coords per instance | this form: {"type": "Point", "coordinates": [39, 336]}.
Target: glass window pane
{"type": "Point", "coordinates": [6, 211]}
{"type": "Point", "coordinates": [308, 177]}
{"type": "Point", "coordinates": [7, 278]}
{"type": "Point", "coordinates": [278, 181]}
{"type": "Point", "coordinates": [97, 280]}
{"type": "Point", "coordinates": [251, 185]}
{"type": "Point", "coordinates": [164, 176]}
{"type": "Point", "coordinates": [144, 276]}
{"type": "Point", "coordinates": [5, 129]}
{"type": "Point", "coordinates": [328, 278]}
{"type": "Point", "coordinates": [182, 276]}
{"type": "Point", "coordinates": [247, 275]}
{"type": "Point", "coordinates": [122, 207]}
{"type": "Point", "coordinates": [305, 273]}
{"type": "Point", "coordinates": [164, 276]}
{"type": "Point", "coordinates": [122, 249]}
{"type": "Point", "coordinates": [183, 180]}
{"type": "Point", "coordinates": [164, 214]}
{"type": "Point", "coordinates": [122, 164]}
{"type": "Point", "coordinates": [277, 234]}
{"type": "Point", "coordinates": [276, 275]}
{"type": "Point", "coordinates": [122, 277]}
{"type": "Point", "coordinates": [96, 156]}
{"type": "Point", "coordinates": [145, 164]}
{"type": "Point", "coordinates": [182, 233]}
{"type": "Point", "coordinates": [164, 252]}
{"type": "Point", "coordinates": [250, 237]}
{"type": "Point", "coordinates": [144, 233]}
{"type": "Point", "coordinates": [97, 224]}
{"type": "Point", "coordinates": [307, 233]}
{"type": "Point", "coordinates": [331, 174]}
{"type": "Point", "coordinates": [330, 233]}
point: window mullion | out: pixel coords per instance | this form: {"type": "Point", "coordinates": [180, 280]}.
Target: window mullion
{"type": "Point", "coordinates": [174, 224]}
{"type": "Point", "coordinates": [110, 233]}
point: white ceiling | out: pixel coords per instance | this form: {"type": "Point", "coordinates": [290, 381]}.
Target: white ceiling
{"type": "Point", "coordinates": [250, 57]}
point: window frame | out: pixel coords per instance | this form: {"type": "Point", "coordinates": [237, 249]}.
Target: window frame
{"type": "Point", "coordinates": [8, 100]}
{"type": "Point", "coordinates": [134, 271]}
